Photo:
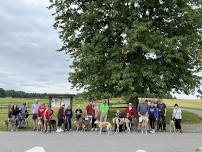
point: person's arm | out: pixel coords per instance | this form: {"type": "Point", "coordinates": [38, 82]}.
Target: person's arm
{"type": "Point", "coordinates": [138, 110]}
{"type": "Point", "coordinates": [165, 111]}
{"type": "Point", "coordinates": [71, 113]}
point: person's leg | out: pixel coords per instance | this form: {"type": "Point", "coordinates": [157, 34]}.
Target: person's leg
{"type": "Point", "coordinates": [34, 122]}
{"type": "Point", "coordinates": [70, 123]}
{"type": "Point", "coordinates": [150, 122]}
{"type": "Point", "coordinates": [176, 124]}
{"type": "Point", "coordinates": [164, 122]}
{"type": "Point", "coordinates": [180, 128]}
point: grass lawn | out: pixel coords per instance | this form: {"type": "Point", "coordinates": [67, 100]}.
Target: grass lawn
{"type": "Point", "coordinates": [188, 118]}
{"type": "Point", "coordinates": [192, 104]}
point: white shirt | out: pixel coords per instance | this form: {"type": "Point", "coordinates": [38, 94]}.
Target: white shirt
{"type": "Point", "coordinates": [35, 108]}
{"type": "Point", "coordinates": [177, 113]}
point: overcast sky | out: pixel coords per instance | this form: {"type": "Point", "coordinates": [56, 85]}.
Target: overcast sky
{"type": "Point", "coordinates": [28, 44]}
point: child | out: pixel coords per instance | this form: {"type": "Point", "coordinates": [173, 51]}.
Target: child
{"type": "Point", "coordinates": [177, 117]}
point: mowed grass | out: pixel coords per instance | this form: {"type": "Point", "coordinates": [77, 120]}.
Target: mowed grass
{"type": "Point", "coordinates": [188, 117]}
{"type": "Point", "coordinates": [192, 104]}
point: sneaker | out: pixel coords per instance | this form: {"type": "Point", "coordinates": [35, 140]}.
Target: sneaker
{"type": "Point", "coordinates": [61, 130]}
{"type": "Point", "coordinates": [58, 130]}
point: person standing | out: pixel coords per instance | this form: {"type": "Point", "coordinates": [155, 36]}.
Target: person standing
{"type": "Point", "coordinates": [68, 117]}
{"type": "Point", "coordinates": [94, 115]}
{"type": "Point", "coordinates": [153, 115]}
{"type": "Point", "coordinates": [78, 113]}
{"type": "Point", "coordinates": [104, 108]}
{"type": "Point", "coordinates": [89, 110]}
{"type": "Point", "coordinates": [42, 109]}
{"type": "Point", "coordinates": [177, 117]}
{"type": "Point", "coordinates": [162, 110]}
{"type": "Point", "coordinates": [60, 118]}
{"type": "Point", "coordinates": [142, 112]}
{"type": "Point", "coordinates": [35, 110]}
{"type": "Point", "coordinates": [48, 116]}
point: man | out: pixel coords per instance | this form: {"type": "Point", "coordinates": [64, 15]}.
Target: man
{"type": "Point", "coordinates": [60, 118]}
{"type": "Point", "coordinates": [142, 112]}
{"type": "Point", "coordinates": [104, 108]}
{"type": "Point", "coordinates": [35, 110]}
{"type": "Point", "coordinates": [161, 114]}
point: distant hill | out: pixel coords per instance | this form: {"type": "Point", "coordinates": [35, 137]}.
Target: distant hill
{"type": "Point", "coordinates": [21, 94]}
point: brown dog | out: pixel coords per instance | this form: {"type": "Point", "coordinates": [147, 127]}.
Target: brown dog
{"type": "Point", "coordinates": [104, 125]}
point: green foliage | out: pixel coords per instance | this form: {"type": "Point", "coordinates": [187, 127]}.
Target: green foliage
{"type": "Point", "coordinates": [20, 94]}
{"type": "Point", "coordinates": [131, 47]}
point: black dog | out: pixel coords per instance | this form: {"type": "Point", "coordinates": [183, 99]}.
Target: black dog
{"type": "Point", "coordinates": [52, 125]}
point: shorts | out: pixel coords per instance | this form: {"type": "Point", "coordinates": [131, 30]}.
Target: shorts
{"type": "Point", "coordinates": [34, 116]}
{"type": "Point", "coordinates": [141, 118]}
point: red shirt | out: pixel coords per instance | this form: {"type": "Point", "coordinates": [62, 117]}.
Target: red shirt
{"type": "Point", "coordinates": [41, 111]}
{"type": "Point", "coordinates": [89, 109]}
{"type": "Point", "coordinates": [48, 113]}
{"type": "Point", "coordinates": [131, 113]}
{"type": "Point", "coordinates": [61, 113]}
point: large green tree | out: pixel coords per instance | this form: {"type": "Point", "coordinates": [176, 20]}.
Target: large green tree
{"type": "Point", "coordinates": [132, 47]}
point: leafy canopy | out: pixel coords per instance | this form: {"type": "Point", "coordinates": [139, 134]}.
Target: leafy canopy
{"type": "Point", "coordinates": [132, 47]}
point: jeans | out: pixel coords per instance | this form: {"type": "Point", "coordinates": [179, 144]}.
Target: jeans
{"type": "Point", "coordinates": [161, 121]}
{"type": "Point", "coordinates": [152, 122]}
{"type": "Point", "coordinates": [60, 121]}
{"type": "Point", "coordinates": [68, 124]}
{"type": "Point", "coordinates": [93, 122]}
{"type": "Point", "coordinates": [178, 124]}
{"type": "Point", "coordinates": [103, 118]}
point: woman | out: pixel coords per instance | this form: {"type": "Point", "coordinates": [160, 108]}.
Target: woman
{"type": "Point", "coordinates": [153, 115]}
{"type": "Point", "coordinates": [177, 117]}
{"type": "Point", "coordinates": [94, 115]}
{"type": "Point", "coordinates": [68, 117]}
{"type": "Point", "coordinates": [131, 115]}
{"type": "Point", "coordinates": [61, 116]}
{"type": "Point", "coordinates": [14, 114]}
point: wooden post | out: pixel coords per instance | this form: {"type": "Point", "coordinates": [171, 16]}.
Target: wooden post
{"type": "Point", "coordinates": [50, 100]}
{"type": "Point", "coordinates": [71, 101]}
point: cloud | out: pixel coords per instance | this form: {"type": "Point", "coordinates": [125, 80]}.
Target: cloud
{"type": "Point", "coordinates": [28, 44]}
{"type": "Point", "coordinates": [28, 56]}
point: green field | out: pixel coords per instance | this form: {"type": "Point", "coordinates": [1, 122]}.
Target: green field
{"type": "Point", "coordinates": [188, 117]}
{"type": "Point", "coordinates": [192, 104]}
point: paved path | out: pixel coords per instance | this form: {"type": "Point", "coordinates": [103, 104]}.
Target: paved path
{"type": "Point", "coordinates": [197, 112]}
{"type": "Point", "coordinates": [92, 142]}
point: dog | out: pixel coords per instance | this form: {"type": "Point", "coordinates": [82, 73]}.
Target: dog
{"type": "Point", "coordinates": [80, 124]}
{"type": "Point", "coordinates": [144, 125]}
{"type": "Point", "coordinates": [122, 121]}
{"type": "Point", "coordinates": [53, 125]}
{"type": "Point", "coordinates": [103, 125]}
{"type": "Point", "coordinates": [172, 126]}
{"type": "Point", "coordinates": [10, 125]}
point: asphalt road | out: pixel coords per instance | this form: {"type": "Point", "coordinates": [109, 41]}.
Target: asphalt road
{"type": "Point", "coordinates": [93, 142]}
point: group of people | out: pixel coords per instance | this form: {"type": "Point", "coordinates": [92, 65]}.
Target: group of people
{"type": "Point", "coordinates": [131, 118]}
{"type": "Point", "coordinates": [42, 116]}
{"type": "Point", "coordinates": [18, 116]}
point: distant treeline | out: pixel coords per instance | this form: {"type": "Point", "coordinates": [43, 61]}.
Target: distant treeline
{"type": "Point", "coordinates": [21, 94]}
